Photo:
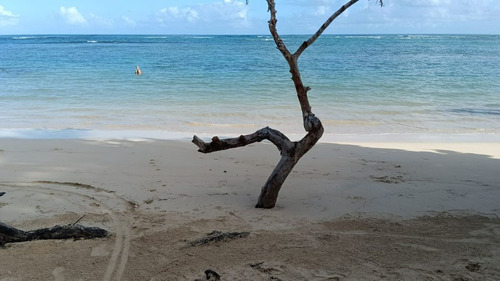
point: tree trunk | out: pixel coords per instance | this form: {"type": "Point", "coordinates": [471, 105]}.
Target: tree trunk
{"type": "Point", "coordinates": [291, 152]}
{"type": "Point", "coordinates": [269, 193]}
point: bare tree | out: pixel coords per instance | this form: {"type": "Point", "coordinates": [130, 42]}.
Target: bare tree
{"type": "Point", "coordinates": [290, 151]}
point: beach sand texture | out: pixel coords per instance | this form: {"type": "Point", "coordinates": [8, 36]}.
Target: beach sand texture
{"type": "Point", "coordinates": [405, 211]}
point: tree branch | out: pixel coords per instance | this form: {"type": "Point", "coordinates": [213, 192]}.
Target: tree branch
{"type": "Point", "coordinates": [274, 32]}
{"type": "Point", "coordinates": [323, 27]}
{"type": "Point", "coordinates": [294, 69]}
{"type": "Point", "coordinates": [274, 136]}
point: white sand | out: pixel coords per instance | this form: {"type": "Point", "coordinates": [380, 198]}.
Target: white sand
{"type": "Point", "coordinates": [366, 211]}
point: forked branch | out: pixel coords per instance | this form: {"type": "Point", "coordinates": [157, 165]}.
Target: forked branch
{"type": "Point", "coordinates": [323, 27]}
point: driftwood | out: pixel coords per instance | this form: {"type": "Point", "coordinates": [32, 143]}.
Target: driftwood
{"type": "Point", "coordinates": [218, 236]}
{"type": "Point", "coordinates": [9, 234]}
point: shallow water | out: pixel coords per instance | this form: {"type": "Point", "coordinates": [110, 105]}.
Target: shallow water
{"type": "Point", "coordinates": [384, 86]}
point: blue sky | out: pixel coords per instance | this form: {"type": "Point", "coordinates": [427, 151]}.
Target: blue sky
{"type": "Point", "coordinates": [234, 17]}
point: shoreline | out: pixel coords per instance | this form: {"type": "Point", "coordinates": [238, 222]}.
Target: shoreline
{"type": "Point", "coordinates": [349, 211]}
{"type": "Point", "coordinates": [164, 135]}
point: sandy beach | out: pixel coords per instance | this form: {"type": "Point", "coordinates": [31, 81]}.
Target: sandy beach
{"type": "Point", "coordinates": [348, 211]}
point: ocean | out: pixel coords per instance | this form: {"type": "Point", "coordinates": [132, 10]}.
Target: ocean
{"type": "Point", "coordinates": [374, 87]}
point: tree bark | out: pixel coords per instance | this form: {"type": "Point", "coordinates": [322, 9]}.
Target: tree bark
{"type": "Point", "coordinates": [291, 152]}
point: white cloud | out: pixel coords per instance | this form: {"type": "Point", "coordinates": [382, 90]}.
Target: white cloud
{"type": "Point", "coordinates": [221, 12]}
{"type": "Point", "coordinates": [439, 11]}
{"type": "Point", "coordinates": [230, 11]}
{"type": "Point", "coordinates": [174, 13]}
{"type": "Point", "coordinates": [72, 16]}
{"type": "Point", "coordinates": [418, 16]}
{"type": "Point", "coordinates": [7, 17]}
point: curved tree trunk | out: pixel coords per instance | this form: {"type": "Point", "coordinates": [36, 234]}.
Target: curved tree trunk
{"type": "Point", "coordinates": [290, 151]}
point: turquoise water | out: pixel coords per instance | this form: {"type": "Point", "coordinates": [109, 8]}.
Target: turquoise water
{"type": "Point", "coordinates": [410, 87]}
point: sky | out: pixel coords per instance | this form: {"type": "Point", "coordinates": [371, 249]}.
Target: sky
{"type": "Point", "coordinates": [236, 17]}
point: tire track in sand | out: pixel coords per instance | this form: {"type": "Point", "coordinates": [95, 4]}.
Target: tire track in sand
{"type": "Point", "coordinates": [101, 200]}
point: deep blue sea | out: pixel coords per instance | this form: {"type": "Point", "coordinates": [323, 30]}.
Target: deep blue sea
{"type": "Point", "coordinates": [383, 87]}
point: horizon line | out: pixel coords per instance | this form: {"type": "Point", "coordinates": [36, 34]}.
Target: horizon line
{"type": "Point", "coordinates": [248, 34]}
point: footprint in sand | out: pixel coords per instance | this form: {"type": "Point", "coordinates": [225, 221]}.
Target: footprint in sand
{"type": "Point", "coordinates": [152, 162]}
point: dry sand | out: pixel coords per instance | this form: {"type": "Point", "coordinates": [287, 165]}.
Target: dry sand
{"type": "Point", "coordinates": [400, 211]}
